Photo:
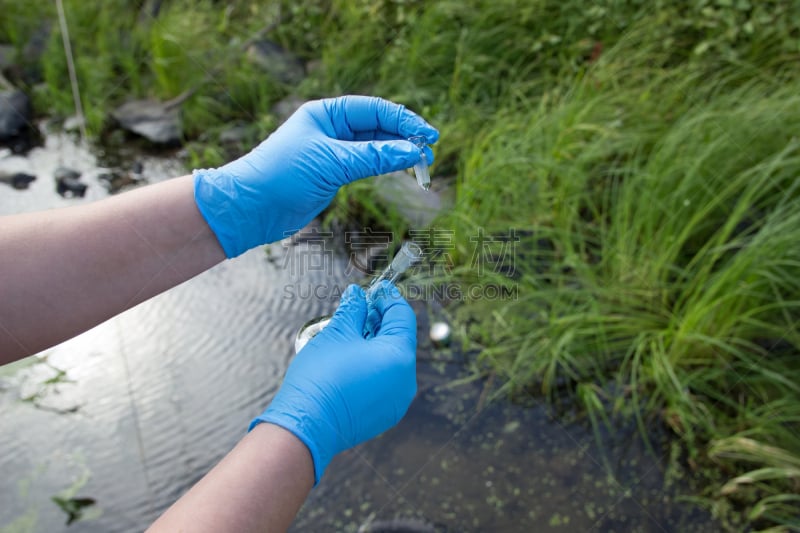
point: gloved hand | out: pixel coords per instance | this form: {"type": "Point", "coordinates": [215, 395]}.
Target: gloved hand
{"type": "Point", "coordinates": [293, 175]}
{"type": "Point", "coordinates": [342, 389]}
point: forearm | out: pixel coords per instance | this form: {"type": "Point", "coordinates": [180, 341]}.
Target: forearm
{"type": "Point", "coordinates": [259, 486]}
{"type": "Point", "coordinates": [67, 270]}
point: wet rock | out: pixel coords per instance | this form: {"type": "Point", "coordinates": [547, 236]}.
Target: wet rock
{"type": "Point", "coordinates": [158, 122]}
{"type": "Point", "coordinates": [18, 180]}
{"type": "Point", "coordinates": [184, 154]}
{"type": "Point", "coordinates": [74, 123]}
{"type": "Point", "coordinates": [440, 334]}
{"type": "Point", "coordinates": [418, 207]}
{"type": "Point", "coordinates": [71, 188]}
{"type": "Point", "coordinates": [37, 44]}
{"type": "Point", "coordinates": [66, 173]}
{"type": "Point", "coordinates": [277, 62]}
{"type": "Point", "coordinates": [116, 180]}
{"type": "Point", "coordinates": [16, 114]}
{"type": "Point", "coordinates": [68, 183]}
{"type": "Point", "coordinates": [286, 107]}
{"type": "Point", "coordinates": [27, 68]}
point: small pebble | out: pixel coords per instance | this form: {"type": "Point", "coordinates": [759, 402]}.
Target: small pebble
{"type": "Point", "coordinates": [440, 334]}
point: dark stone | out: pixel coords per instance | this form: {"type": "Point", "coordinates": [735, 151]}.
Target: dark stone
{"type": "Point", "coordinates": [68, 183]}
{"type": "Point", "coordinates": [71, 188]}
{"type": "Point", "coordinates": [29, 67]}
{"type": "Point", "coordinates": [116, 180]}
{"type": "Point", "coordinates": [155, 121]}
{"type": "Point", "coordinates": [18, 180]}
{"type": "Point", "coordinates": [278, 62]}
{"type": "Point", "coordinates": [37, 44]}
{"type": "Point", "coordinates": [16, 114]}
{"type": "Point", "coordinates": [66, 173]}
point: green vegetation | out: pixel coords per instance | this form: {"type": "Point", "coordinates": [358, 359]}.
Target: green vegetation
{"type": "Point", "coordinates": [646, 154]}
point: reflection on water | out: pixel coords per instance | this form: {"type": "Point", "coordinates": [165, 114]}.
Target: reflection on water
{"type": "Point", "coordinates": [460, 464]}
{"type": "Point", "coordinates": [134, 411]}
{"type": "Point", "coordinates": [152, 398]}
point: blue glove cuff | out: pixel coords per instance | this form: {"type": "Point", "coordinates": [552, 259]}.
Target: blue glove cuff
{"type": "Point", "coordinates": [215, 194]}
{"type": "Point", "coordinates": [296, 427]}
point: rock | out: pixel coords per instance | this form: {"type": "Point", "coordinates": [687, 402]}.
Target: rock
{"type": "Point", "coordinates": [71, 188]}
{"type": "Point", "coordinates": [74, 123]}
{"type": "Point", "coordinates": [286, 107]}
{"type": "Point", "coordinates": [277, 62]}
{"type": "Point", "coordinates": [15, 115]}
{"type": "Point", "coordinates": [18, 180]}
{"type": "Point", "coordinates": [37, 44]}
{"type": "Point", "coordinates": [68, 183]}
{"type": "Point", "coordinates": [440, 334]}
{"type": "Point", "coordinates": [137, 168]}
{"type": "Point", "coordinates": [156, 121]}
{"type": "Point", "coordinates": [29, 65]}
{"type": "Point", "coordinates": [184, 154]}
{"type": "Point", "coordinates": [66, 173]}
{"type": "Point", "coordinates": [116, 180]}
{"type": "Point", "coordinates": [417, 206]}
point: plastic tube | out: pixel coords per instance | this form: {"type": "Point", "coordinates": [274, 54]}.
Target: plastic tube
{"type": "Point", "coordinates": [421, 168]}
{"type": "Point", "coordinates": [409, 254]}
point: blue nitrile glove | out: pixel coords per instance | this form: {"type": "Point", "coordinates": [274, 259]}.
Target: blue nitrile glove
{"type": "Point", "coordinates": [342, 389]}
{"type": "Point", "coordinates": [292, 176]}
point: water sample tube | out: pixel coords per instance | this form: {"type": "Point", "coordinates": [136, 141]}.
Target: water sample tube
{"type": "Point", "coordinates": [409, 254]}
{"type": "Point", "coordinates": [421, 168]}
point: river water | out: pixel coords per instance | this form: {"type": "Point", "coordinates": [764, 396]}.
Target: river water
{"type": "Point", "coordinates": [134, 411]}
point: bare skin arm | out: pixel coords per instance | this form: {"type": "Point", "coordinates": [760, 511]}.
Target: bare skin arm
{"type": "Point", "coordinates": [66, 270]}
{"type": "Point", "coordinates": [259, 486]}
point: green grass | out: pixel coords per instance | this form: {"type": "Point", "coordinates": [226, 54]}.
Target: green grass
{"type": "Point", "coordinates": [122, 53]}
{"type": "Point", "coordinates": [662, 218]}
{"type": "Point", "coordinates": [645, 152]}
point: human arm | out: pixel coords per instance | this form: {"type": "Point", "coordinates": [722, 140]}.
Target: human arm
{"type": "Point", "coordinates": [65, 271]}
{"type": "Point", "coordinates": [259, 486]}
{"type": "Point", "coordinates": [340, 390]}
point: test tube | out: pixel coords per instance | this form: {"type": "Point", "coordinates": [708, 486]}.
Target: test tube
{"type": "Point", "coordinates": [409, 254]}
{"type": "Point", "coordinates": [421, 168]}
